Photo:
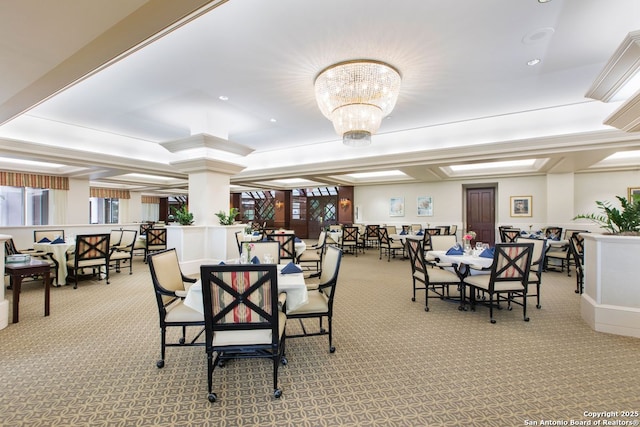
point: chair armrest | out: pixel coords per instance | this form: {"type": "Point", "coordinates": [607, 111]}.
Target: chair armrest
{"type": "Point", "coordinates": [181, 294]}
{"type": "Point", "coordinates": [282, 300]}
{"type": "Point", "coordinates": [189, 279]}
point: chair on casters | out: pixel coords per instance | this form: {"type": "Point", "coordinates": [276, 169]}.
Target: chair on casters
{"type": "Point", "coordinates": [242, 317]}
{"type": "Point", "coordinates": [436, 280]}
{"type": "Point", "coordinates": [576, 246]}
{"type": "Point", "coordinates": [320, 303]}
{"type": "Point", "coordinates": [313, 255]}
{"type": "Point", "coordinates": [387, 245]}
{"type": "Point", "coordinates": [537, 266]}
{"type": "Point", "coordinates": [349, 241]}
{"type": "Point", "coordinates": [156, 241]}
{"type": "Point", "coordinates": [509, 275]}
{"type": "Point", "coordinates": [287, 245]}
{"type": "Point", "coordinates": [170, 290]}
{"type": "Point", "coordinates": [123, 251]}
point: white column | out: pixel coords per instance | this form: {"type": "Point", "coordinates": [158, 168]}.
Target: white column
{"type": "Point", "coordinates": [560, 203]}
{"type": "Point", "coordinates": [208, 193]}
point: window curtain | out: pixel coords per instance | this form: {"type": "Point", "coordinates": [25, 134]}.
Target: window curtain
{"type": "Point", "coordinates": [150, 208]}
{"type": "Point", "coordinates": [58, 206]}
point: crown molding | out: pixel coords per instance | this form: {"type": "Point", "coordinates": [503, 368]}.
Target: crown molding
{"type": "Point", "coordinates": [621, 67]}
{"type": "Point", "coordinates": [627, 117]}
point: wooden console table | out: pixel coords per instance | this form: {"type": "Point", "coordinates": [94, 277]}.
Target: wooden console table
{"type": "Point", "coordinates": [17, 271]}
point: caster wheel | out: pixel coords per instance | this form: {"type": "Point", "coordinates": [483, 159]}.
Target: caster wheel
{"type": "Point", "coordinates": [284, 361]}
{"type": "Point", "coordinates": [277, 393]}
{"type": "Point", "coordinates": [181, 341]}
{"type": "Point", "coordinates": [160, 363]}
{"type": "Point", "coordinates": [220, 364]}
{"type": "Point", "coordinates": [493, 321]}
{"type": "Point", "coordinates": [577, 292]}
{"type": "Point", "coordinates": [332, 349]}
{"type": "Point", "coordinates": [212, 397]}
{"type": "Point", "coordinates": [510, 308]}
{"type": "Point", "coordinates": [426, 309]}
{"type": "Point", "coordinates": [413, 299]}
{"type": "Point", "coordinates": [323, 330]}
{"type": "Point", "coordinates": [538, 306]}
{"type": "Point", "coordinates": [526, 319]}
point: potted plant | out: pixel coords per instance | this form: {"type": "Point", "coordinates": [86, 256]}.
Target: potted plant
{"type": "Point", "coordinates": [621, 222]}
{"type": "Point", "coordinates": [183, 216]}
{"type": "Point", "coordinates": [228, 219]}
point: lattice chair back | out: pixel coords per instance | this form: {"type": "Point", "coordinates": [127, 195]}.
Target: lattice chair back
{"type": "Point", "coordinates": [383, 236]}
{"type": "Point", "coordinates": [92, 250]}
{"type": "Point", "coordinates": [433, 231]}
{"type": "Point", "coordinates": [553, 233]}
{"type": "Point", "coordinates": [509, 235]}
{"type": "Point", "coordinates": [416, 257]}
{"type": "Point", "coordinates": [156, 241]}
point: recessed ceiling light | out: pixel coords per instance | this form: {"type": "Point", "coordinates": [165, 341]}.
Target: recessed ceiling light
{"type": "Point", "coordinates": [29, 163]}
{"type": "Point", "coordinates": [223, 98]}
{"type": "Point", "coordinates": [544, 1]}
{"type": "Point", "coordinates": [493, 165]}
{"type": "Point", "coordinates": [533, 62]}
{"type": "Point", "coordinates": [379, 174]}
{"type": "Point", "coordinates": [272, 120]}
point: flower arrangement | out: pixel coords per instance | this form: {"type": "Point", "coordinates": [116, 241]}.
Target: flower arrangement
{"type": "Point", "coordinates": [247, 250]}
{"type": "Point", "coordinates": [469, 236]}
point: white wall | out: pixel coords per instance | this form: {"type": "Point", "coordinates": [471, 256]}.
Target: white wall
{"type": "Point", "coordinates": [556, 199]}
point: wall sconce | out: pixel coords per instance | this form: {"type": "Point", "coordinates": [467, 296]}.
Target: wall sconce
{"type": "Point", "coordinates": [344, 203]}
{"type": "Point", "coordinates": [279, 204]}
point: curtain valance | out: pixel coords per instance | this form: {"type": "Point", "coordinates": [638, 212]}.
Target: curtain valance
{"type": "Point", "coordinates": [109, 193]}
{"type": "Point", "coordinates": [19, 179]}
{"type": "Point", "coordinates": [152, 200]}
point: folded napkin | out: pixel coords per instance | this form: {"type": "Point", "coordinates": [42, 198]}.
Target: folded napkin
{"type": "Point", "coordinates": [419, 233]}
{"type": "Point", "coordinates": [488, 253]}
{"type": "Point", "coordinates": [455, 250]}
{"type": "Point", "coordinates": [291, 268]}
{"type": "Point", "coordinates": [297, 240]}
{"type": "Point", "coordinates": [221, 263]}
{"type": "Point", "coordinates": [255, 260]}
{"type": "Point", "coordinates": [402, 233]}
{"type": "Point", "coordinates": [256, 233]}
{"type": "Point", "coordinates": [523, 233]}
{"type": "Point", "coordinates": [44, 240]}
{"type": "Point", "coordinates": [58, 241]}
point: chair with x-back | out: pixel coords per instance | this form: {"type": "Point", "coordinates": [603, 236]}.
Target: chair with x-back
{"type": "Point", "coordinates": [287, 245]}
{"type": "Point", "coordinates": [156, 241]}
{"type": "Point", "coordinates": [321, 299]}
{"type": "Point", "coordinates": [311, 258]}
{"type": "Point", "coordinates": [537, 266]}
{"type": "Point", "coordinates": [576, 246]}
{"type": "Point", "coordinates": [349, 241]}
{"type": "Point", "coordinates": [242, 317]}
{"type": "Point", "coordinates": [435, 280]}
{"type": "Point", "coordinates": [509, 275]}
{"type": "Point", "coordinates": [170, 286]}
{"type": "Point", "coordinates": [509, 235]}
{"type": "Point", "coordinates": [387, 245]}
{"type": "Point", "coordinates": [92, 252]}
{"type": "Point", "coordinates": [10, 249]}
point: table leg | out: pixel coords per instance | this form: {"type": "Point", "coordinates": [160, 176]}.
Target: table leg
{"type": "Point", "coordinates": [16, 282]}
{"type": "Point", "coordinates": [47, 287]}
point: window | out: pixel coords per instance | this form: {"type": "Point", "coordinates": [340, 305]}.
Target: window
{"type": "Point", "coordinates": [104, 210]}
{"type": "Point", "coordinates": [23, 206]}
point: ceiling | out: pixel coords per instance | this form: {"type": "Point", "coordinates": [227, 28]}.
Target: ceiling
{"type": "Point", "coordinates": [102, 89]}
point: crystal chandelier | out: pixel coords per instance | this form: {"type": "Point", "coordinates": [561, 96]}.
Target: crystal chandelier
{"type": "Point", "coordinates": [355, 96]}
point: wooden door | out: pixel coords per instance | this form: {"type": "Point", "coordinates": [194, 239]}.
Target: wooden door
{"type": "Point", "coordinates": [481, 214]}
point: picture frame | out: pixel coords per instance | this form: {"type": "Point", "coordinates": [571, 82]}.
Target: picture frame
{"type": "Point", "coordinates": [521, 206]}
{"type": "Point", "coordinates": [631, 191]}
{"type": "Point", "coordinates": [424, 206]}
{"type": "Point", "coordinates": [396, 206]}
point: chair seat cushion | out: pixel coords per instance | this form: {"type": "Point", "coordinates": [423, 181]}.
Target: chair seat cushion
{"type": "Point", "coordinates": [309, 256]}
{"type": "Point", "coordinates": [87, 263]}
{"type": "Point", "coordinates": [438, 275]}
{"type": "Point", "coordinates": [318, 303]}
{"type": "Point", "coordinates": [481, 281]}
{"type": "Point", "coordinates": [178, 312]}
{"type": "Point", "coordinates": [250, 336]}
{"type": "Point", "coordinates": [120, 255]}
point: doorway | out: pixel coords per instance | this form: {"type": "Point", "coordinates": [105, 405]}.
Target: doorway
{"type": "Point", "coordinates": [481, 213]}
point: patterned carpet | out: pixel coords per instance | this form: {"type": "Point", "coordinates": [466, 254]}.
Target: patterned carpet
{"type": "Point", "coordinates": [92, 362]}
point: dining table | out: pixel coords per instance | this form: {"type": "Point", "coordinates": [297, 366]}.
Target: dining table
{"type": "Point", "coordinates": [59, 252]}
{"type": "Point", "coordinates": [292, 284]}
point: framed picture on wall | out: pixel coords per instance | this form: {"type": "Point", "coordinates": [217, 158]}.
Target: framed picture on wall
{"type": "Point", "coordinates": [631, 191]}
{"type": "Point", "coordinates": [396, 206]}
{"type": "Point", "coordinates": [521, 205]}
{"type": "Point", "coordinates": [425, 206]}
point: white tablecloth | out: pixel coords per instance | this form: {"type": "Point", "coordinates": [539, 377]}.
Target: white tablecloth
{"type": "Point", "coordinates": [293, 284]}
{"type": "Point", "coordinates": [462, 260]}
{"type": "Point", "coordinates": [59, 251]}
